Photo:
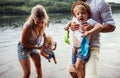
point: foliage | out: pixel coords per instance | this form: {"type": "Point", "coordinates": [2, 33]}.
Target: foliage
{"type": "Point", "coordinates": [23, 7]}
{"type": "Point", "coordinates": [115, 7]}
{"type": "Point", "coordinates": [18, 7]}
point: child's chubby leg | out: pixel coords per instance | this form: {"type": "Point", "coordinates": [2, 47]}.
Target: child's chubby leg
{"type": "Point", "coordinates": [55, 60]}
{"type": "Point", "coordinates": [79, 66]}
{"type": "Point", "coordinates": [75, 51]}
{"type": "Point", "coordinates": [53, 56]}
{"type": "Point", "coordinates": [49, 60]}
{"type": "Point", "coordinates": [44, 54]}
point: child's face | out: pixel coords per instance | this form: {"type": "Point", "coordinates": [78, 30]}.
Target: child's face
{"type": "Point", "coordinates": [80, 14]}
{"type": "Point", "coordinates": [48, 45]}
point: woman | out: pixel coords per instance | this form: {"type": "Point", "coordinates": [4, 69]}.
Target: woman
{"type": "Point", "coordinates": [29, 45]}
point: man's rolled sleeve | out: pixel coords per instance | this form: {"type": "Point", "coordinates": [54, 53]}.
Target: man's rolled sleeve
{"type": "Point", "coordinates": [105, 12]}
{"type": "Point", "coordinates": [91, 22]}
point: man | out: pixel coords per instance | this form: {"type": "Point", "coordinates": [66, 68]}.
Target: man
{"type": "Point", "coordinates": [101, 13]}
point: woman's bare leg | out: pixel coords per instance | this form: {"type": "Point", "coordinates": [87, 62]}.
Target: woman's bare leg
{"type": "Point", "coordinates": [25, 64]}
{"type": "Point", "coordinates": [37, 62]}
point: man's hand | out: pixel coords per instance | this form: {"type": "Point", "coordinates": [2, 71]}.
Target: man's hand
{"type": "Point", "coordinates": [74, 26]}
{"type": "Point", "coordinates": [86, 26]}
{"type": "Point", "coordinates": [86, 33]}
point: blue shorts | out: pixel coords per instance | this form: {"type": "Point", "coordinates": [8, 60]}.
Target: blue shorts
{"type": "Point", "coordinates": [79, 55]}
{"type": "Point", "coordinates": [52, 55]}
{"type": "Point", "coordinates": [24, 53]}
{"type": "Point", "coordinates": [49, 51]}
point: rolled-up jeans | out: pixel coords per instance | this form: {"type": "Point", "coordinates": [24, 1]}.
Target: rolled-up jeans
{"type": "Point", "coordinates": [91, 67]}
{"type": "Point", "coordinates": [24, 53]}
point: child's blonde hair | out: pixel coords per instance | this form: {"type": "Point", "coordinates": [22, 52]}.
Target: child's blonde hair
{"type": "Point", "coordinates": [38, 12]}
{"type": "Point", "coordinates": [83, 6]}
{"type": "Point", "coordinates": [48, 40]}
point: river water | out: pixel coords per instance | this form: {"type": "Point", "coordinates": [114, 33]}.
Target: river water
{"type": "Point", "coordinates": [10, 34]}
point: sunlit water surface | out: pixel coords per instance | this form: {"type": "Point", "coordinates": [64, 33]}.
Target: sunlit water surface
{"type": "Point", "coordinates": [10, 34]}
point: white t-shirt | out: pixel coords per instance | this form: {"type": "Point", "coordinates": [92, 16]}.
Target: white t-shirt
{"type": "Point", "coordinates": [77, 35]}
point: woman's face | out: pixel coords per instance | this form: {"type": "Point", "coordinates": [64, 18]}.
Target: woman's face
{"type": "Point", "coordinates": [80, 14]}
{"type": "Point", "coordinates": [40, 23]}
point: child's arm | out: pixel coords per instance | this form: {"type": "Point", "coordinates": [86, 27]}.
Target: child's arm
{"type": "Point", "coordinates": [43, 53]}
{"type": "Point", "coordinates": [67, 26]}
{"type": "Point", "coordinates": [91, 26]}
{"type": "Point", "coordinates": [97, 28]}
{"type": "Point", "coordinates": [44, 34]}
{"type": "Point", "coordinates": [55, 45]}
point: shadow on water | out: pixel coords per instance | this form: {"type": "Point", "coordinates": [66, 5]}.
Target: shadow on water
{"type": "Point", "coordinates": [12, 21]}
{"type": "Point", "coordinates": [17, 21]}
{"type": "Point", "coordinates": [59, 18]}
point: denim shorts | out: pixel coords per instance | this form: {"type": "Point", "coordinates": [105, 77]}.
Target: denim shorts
{"type": "Point", "coordinates": [79, 55]}
{"type": "Point", "coordinates": [24, 53]}
{"type": "Point", "coordinates": [51, 55]}
{"type": "Point", "coordinates": [49, 51]}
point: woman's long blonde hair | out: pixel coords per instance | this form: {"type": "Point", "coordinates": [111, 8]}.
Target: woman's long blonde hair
{"type": "Point", "coordinates": [38, 12]}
